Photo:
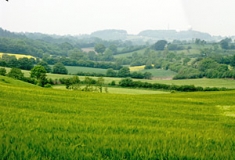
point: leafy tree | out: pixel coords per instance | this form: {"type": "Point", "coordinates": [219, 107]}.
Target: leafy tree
{"type": "Point", "coordinates": [160, 45]}
{"type": "Point", "coordinates": [127, 82]}
{"type": "Point", "coordinates": [147, 75]}
{"type": "Point", "coordinates": [108, 55]}
{"type": "Point", "coordinates": [111, 73]}
{"type": "Point", "coordinates": [59, 68]}
{"type": "Point", "coordinates": [16, 73]}
{"type": "Point", "coordinates": [113, 48]}
{"type": "Point", "coordinates": [186, 60]}
{"type": "Point", "coordinates": [233, 61]}
{"type": "Point", "coordinates": [45, 65]}
{"type": "Point", "coordinates": [225, 43]}
{"type": "Point", "coordinates": [3, 71]}
{"type": "Point", "coordinates": [11, 61]}
{"type": "Point", "coordinates": [39, 72]}
{"type": "Point", "coordinates": [100, 48]}
{"type": "Point", "coordinates": [207, 63]}
{"type": "Point", "coordinates": [100, 83]}
{"type": "Point", "coordinates": [25, 63]}
{"type": "Point", "coordinates": [89, 81]}
{"type": "Point", "coordinates": [124, 72]}
{"type": "Point", "coordinates": [73, 83]}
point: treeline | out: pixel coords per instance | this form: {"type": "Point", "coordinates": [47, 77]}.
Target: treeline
{"type": "Point", "coordinates": [111, 73]}
{"type": "Point", "coordinates": [128, 82]}
{"type": "Point", "coordinates": [81, 63]}
{"type": "Point", "coordinates": [12, 62]}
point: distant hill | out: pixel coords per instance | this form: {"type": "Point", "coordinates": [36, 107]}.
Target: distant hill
{"type": "Point", "coordinates": [111, 34]}
{"type": "Point", "coordinates": [114, 34]}
{"type": "Point", "coordinates": [174, 35]}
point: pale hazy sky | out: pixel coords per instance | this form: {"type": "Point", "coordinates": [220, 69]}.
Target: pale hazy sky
{"type": "Point", "coordinates": [86, 16]}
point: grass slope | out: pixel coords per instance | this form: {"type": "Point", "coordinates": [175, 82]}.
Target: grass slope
{"type": "Point", "coordinates": [37, 123]}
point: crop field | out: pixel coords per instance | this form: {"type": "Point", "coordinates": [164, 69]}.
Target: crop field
{"type": "Point", "coordinates": [17, 55]}
{"type": "Point", "coordinates": [39, 123]}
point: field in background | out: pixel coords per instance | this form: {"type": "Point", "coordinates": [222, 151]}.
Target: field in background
{"type": "Point", "coordinates": [17, 55]}
{"type": "Point", "coordinates": [39, 123]}
{"type": "Point", "coordinates": [76, 69]}
{"type": "Point", "coordinates": [203, 82]}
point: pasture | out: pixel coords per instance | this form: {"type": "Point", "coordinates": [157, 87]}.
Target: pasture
{"type": "Point", "coordinates": [39, 123]}
{"type": "Point", "coordinates": [76, 69]}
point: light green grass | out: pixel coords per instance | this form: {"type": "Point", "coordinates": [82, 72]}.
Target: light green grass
{"type": "Point", "coordinates": [76, 69]}
{"type": "Point", "coordinates": [117, 90]}
{"type": "Point", "coordinates": [38, 123]}
{"type": "Point", "coordinates": [129, 54]}
{"type": "Point", "coordinates": [160, 73]}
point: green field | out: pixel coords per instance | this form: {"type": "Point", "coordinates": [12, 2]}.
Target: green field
{"type": "Point", "coordinates": [76, 69]}
{"type": "Point", "coordinates": [39, 123]}
{"type": "Point", "coordinates": [203, 82]}
{"type": "Point", "coordinates": [129, 54]}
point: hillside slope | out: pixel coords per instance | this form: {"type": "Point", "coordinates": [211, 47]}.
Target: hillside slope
{"type": "Point", "coordinates": [38, 123]}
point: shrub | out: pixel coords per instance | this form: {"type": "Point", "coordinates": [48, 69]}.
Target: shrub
{"type": "Point", "coordinates": [3, 71]}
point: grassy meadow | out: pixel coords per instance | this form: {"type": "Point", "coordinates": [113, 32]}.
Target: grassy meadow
{"type": "Point", "coordinates": [40, 123]}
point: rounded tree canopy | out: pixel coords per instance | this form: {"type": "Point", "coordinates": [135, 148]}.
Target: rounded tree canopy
{"type": "Point", "coordinates": [37, 71]}
{"type": "Point", "coordinates": [59, 68]}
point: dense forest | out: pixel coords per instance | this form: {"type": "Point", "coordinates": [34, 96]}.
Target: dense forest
{"type": "Point", "coordinates": [189, 58]}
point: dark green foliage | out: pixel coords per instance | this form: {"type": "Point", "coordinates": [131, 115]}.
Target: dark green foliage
{"type": "Point", "coordinates": [124, 72]}
{"type": "Point", "coordinates": [160, 45]}
{"type": "Point", "coordinates": [45, 65]}
{"type": "Point", "coordinates": [3, 71]}
{"type": "Point", "coordinates": [71, 82]}
{"type": "Point", "coordinates": [100, 48]}
{"type": "Point", "coordinates": [25, 63]}
{"type": "Point", "coordinates": [59, 68]}
{"type": "Point", "coordinates": [16, 73]}
{"type": "Point", "coordinates": [128, 82]}
{"type": "Point", "coordinates": [111, 73]}
{"type": "Point", "coordinates": [233, 61]}
{"type": "Point", "coordinates": [225, 43]}
{"type": "Point", "coordinates": [10, 61]}
{"type": "Point", "coordinates": [39, 72]}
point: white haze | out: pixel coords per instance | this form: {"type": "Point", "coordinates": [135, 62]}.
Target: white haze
{"type": "Point", "coordinates": [85, 16]}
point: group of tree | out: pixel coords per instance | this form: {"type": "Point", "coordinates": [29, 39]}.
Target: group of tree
{"type": "Point", "coordinates": [128, 82]}
{"type": "Point", "coordinates": [88, 84]}
{"type": "Point", "coordinates": [123, 72]}
{"type": "Point", "coordinates": [12, 62]}
{"type": "Point", "coordinates": [227, 44]}
{"type": "Point", "coordinates": [83, 63]}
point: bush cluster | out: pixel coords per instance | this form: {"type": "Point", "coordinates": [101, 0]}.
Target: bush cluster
{"type": "Point", "coordinates": [128, 82]}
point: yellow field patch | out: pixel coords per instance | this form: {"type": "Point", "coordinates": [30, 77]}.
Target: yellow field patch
{"type": "Point", "coordinates": [137, 68]}
{"type": "Point", "coordinates": [17, 55]}
{"type": "Point", "coordinates": [228, 110]}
